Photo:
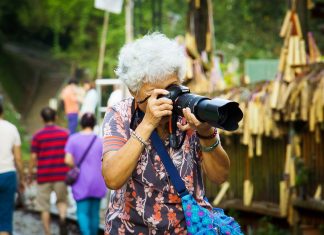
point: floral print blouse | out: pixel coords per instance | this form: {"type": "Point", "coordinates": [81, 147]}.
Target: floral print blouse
{"type": "Point", "coordinates": [148, 202]}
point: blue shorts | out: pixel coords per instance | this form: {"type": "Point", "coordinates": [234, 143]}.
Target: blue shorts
{"type": "Point", "coordinates": [8, 186]}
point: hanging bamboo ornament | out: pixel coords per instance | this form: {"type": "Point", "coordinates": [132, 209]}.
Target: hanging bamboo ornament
{"type": "Point", "coordinates": [297, 25]}
{"type": "Point", "coordinates": [189, 68]}
{"type": "Point", "coordinates": [275, 93]}
{"type": "Point", "coordinates": [304, 101]}
{"type": "Point", "coordinates": [251, 147]}
{"type": "Point", "coordinates": [303, 60]}
{"type": "Point", "coordinates": [287, 161]}
{"type": "Point", "coordinates": [318, 193]}
{"type": "Point", "coordinates": [317, 134]}
{"type": "Point", "coordinates": [297, 149]}
{"type": "Point", "coordinates": [314, 52]}
{"type": "Point", "coordinates": [283, 201]}
{"type": "Point", "coordinates": [248, 193]}
{"type": "Point", "coordinates": [191, 45]}
{"type": "Point", "coordinates": [259, 145]}
{"type": "Point", "coordinates": [312, 118]}
{"type": "Point", "coordinates": [282, 59]}
{"type": "Point", "coordinates": [208, 42]}
{"type": "Point", "coordinates": [284, 27]}
{"type": "Point", "coordinates": [197, 4]}
{"type": "Point", "coordinates": [291, 47]}
{"type": "Point", "coordinates": [246, 129]}
{"type": "Point", "coordinates": [292, 173]}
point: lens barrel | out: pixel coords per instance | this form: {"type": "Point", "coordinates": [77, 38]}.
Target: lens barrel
{"type": "Point", "coordinates": [221, 113]}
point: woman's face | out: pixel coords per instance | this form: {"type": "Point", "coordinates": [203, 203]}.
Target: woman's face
{"type": "Point", "coordinates": [147, 89]}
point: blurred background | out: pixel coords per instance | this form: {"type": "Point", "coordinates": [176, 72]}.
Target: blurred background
{"type": "Point", "coordinates": [266, 55]}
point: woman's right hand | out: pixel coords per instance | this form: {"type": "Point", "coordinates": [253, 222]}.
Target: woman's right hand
{"type": "Point", "coordinates": [157, 108]}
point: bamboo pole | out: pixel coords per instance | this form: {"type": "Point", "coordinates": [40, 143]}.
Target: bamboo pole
{"type": "Point", "coordinates": [103, 45]}
{"type": "Point", "coordinates": [129, 30]}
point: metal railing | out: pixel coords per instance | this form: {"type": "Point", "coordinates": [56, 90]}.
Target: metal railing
{"type": "Point", "coordinates": [100, 83]}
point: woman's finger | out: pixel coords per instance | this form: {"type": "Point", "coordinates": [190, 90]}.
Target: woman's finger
{"type": "Point", "coordinates": [157, 92]}
{"type": "Point", "coordinates": [183, 127]}
{"type": "Point", "coordinates": [190, 117]}
{"type": "Point", "coordinates": [165, 107]}
{"type": "Point", "coordinates": [163, 100]}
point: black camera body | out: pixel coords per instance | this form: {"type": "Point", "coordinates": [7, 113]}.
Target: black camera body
{"type": "Point", "coordinates": [220, 113]}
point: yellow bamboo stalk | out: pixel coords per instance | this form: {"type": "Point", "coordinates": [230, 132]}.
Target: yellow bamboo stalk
{"type": "Point", "coordinates": [297, 25]}
{"type": "Point", "coordinates": [259, 145]}
{"type": "Point", "coordinates": [283, 203]}
{"type": "Point", "coordinates": [285, 24]}
{"type": "Point", "coordinates": [302, 52]}
{"type": "Point", "coordinates": [288, 157]}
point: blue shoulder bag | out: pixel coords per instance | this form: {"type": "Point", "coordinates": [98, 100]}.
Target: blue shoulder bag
{"type": "Point", "coordinates": [199, 220]}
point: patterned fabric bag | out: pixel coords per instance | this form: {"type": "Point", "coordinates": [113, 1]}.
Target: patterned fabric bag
{"type": "Point", "coordinates": [199, 220]}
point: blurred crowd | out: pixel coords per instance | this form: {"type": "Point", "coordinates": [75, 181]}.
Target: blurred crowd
{"type": "Point", "coordinates": [54, 151]}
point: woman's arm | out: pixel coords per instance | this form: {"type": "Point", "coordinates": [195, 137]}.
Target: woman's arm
{"type": "Point", "coordinates": [117, 166]}
{"type": "Point", "coordinates": [215, 163]}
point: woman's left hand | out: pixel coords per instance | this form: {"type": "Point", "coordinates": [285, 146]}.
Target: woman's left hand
{"type": "Point", "coordinates": [194, 123]}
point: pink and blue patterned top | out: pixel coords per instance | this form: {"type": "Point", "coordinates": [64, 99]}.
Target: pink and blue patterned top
{"type": "Point", "coordinates": [148, 203]}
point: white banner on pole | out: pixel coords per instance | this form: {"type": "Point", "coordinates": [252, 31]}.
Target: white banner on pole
{"type": "Point", "coordinates": [114, 6]}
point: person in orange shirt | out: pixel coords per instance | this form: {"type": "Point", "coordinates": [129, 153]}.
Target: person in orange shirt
{"type": "Point", "coordinates": [70, 98]}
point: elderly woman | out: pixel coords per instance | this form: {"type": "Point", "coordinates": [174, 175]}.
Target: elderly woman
{"type": "Point", "coordinates": [145, 201]}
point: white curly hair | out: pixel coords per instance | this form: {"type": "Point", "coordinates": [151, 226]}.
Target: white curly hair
{"type": "Point", "coordinates": [150, 59]}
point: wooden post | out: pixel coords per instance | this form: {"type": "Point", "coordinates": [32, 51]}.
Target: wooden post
{"type": "Point", "coordinates": [103, 45]}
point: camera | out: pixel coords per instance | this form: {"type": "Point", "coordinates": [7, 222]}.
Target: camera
{"type": "Point", "coordinates": [220, 113]}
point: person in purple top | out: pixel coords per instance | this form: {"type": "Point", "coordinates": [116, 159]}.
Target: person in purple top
{"type": "Point", "coordinates": [89, 187]}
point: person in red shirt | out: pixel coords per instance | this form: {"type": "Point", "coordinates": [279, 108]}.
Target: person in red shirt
{"type": "Point", "coordinates": [47, 152]}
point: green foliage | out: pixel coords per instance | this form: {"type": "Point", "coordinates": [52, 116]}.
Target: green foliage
{"type": "Point", "coordinates": [72, 29]}
{"type": "Point", "coordinates": [249, 29]}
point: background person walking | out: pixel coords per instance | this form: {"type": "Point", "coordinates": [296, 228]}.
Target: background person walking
{"type": "Point", "coordinates": [89, 187]}
{"type": "Point", "coordinates": [71, 99]}
{"type": "Point", "coordinates": [47, 151]}
{"type": "Point", "coordinates": [90, 99]}
{"type": "Point", "coordinates": [9, 156]}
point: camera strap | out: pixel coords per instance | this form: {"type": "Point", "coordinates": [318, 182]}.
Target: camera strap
{"type": "Point", "coordinates": [174, 141]}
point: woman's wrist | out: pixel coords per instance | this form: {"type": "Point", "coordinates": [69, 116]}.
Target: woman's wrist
{"type": "Point", "coordinates": [208, 134]}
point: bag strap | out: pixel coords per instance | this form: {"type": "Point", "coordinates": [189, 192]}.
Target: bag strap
{"type": "Point", "coordinates": [87, 150]}
{"type": "Point", "coordinates": [163, 153]}
{"type": "Point", "coordinates": [168, 164]}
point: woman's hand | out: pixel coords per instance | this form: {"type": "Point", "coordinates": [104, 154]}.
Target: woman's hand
{"type": "Point", "coordinates": [157, 108]}
{"type": "Point", "coordinates": [202, 128]}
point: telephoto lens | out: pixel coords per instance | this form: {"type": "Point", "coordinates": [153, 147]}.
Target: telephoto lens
{"type": "Point", "coordinates": [220, 113]}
